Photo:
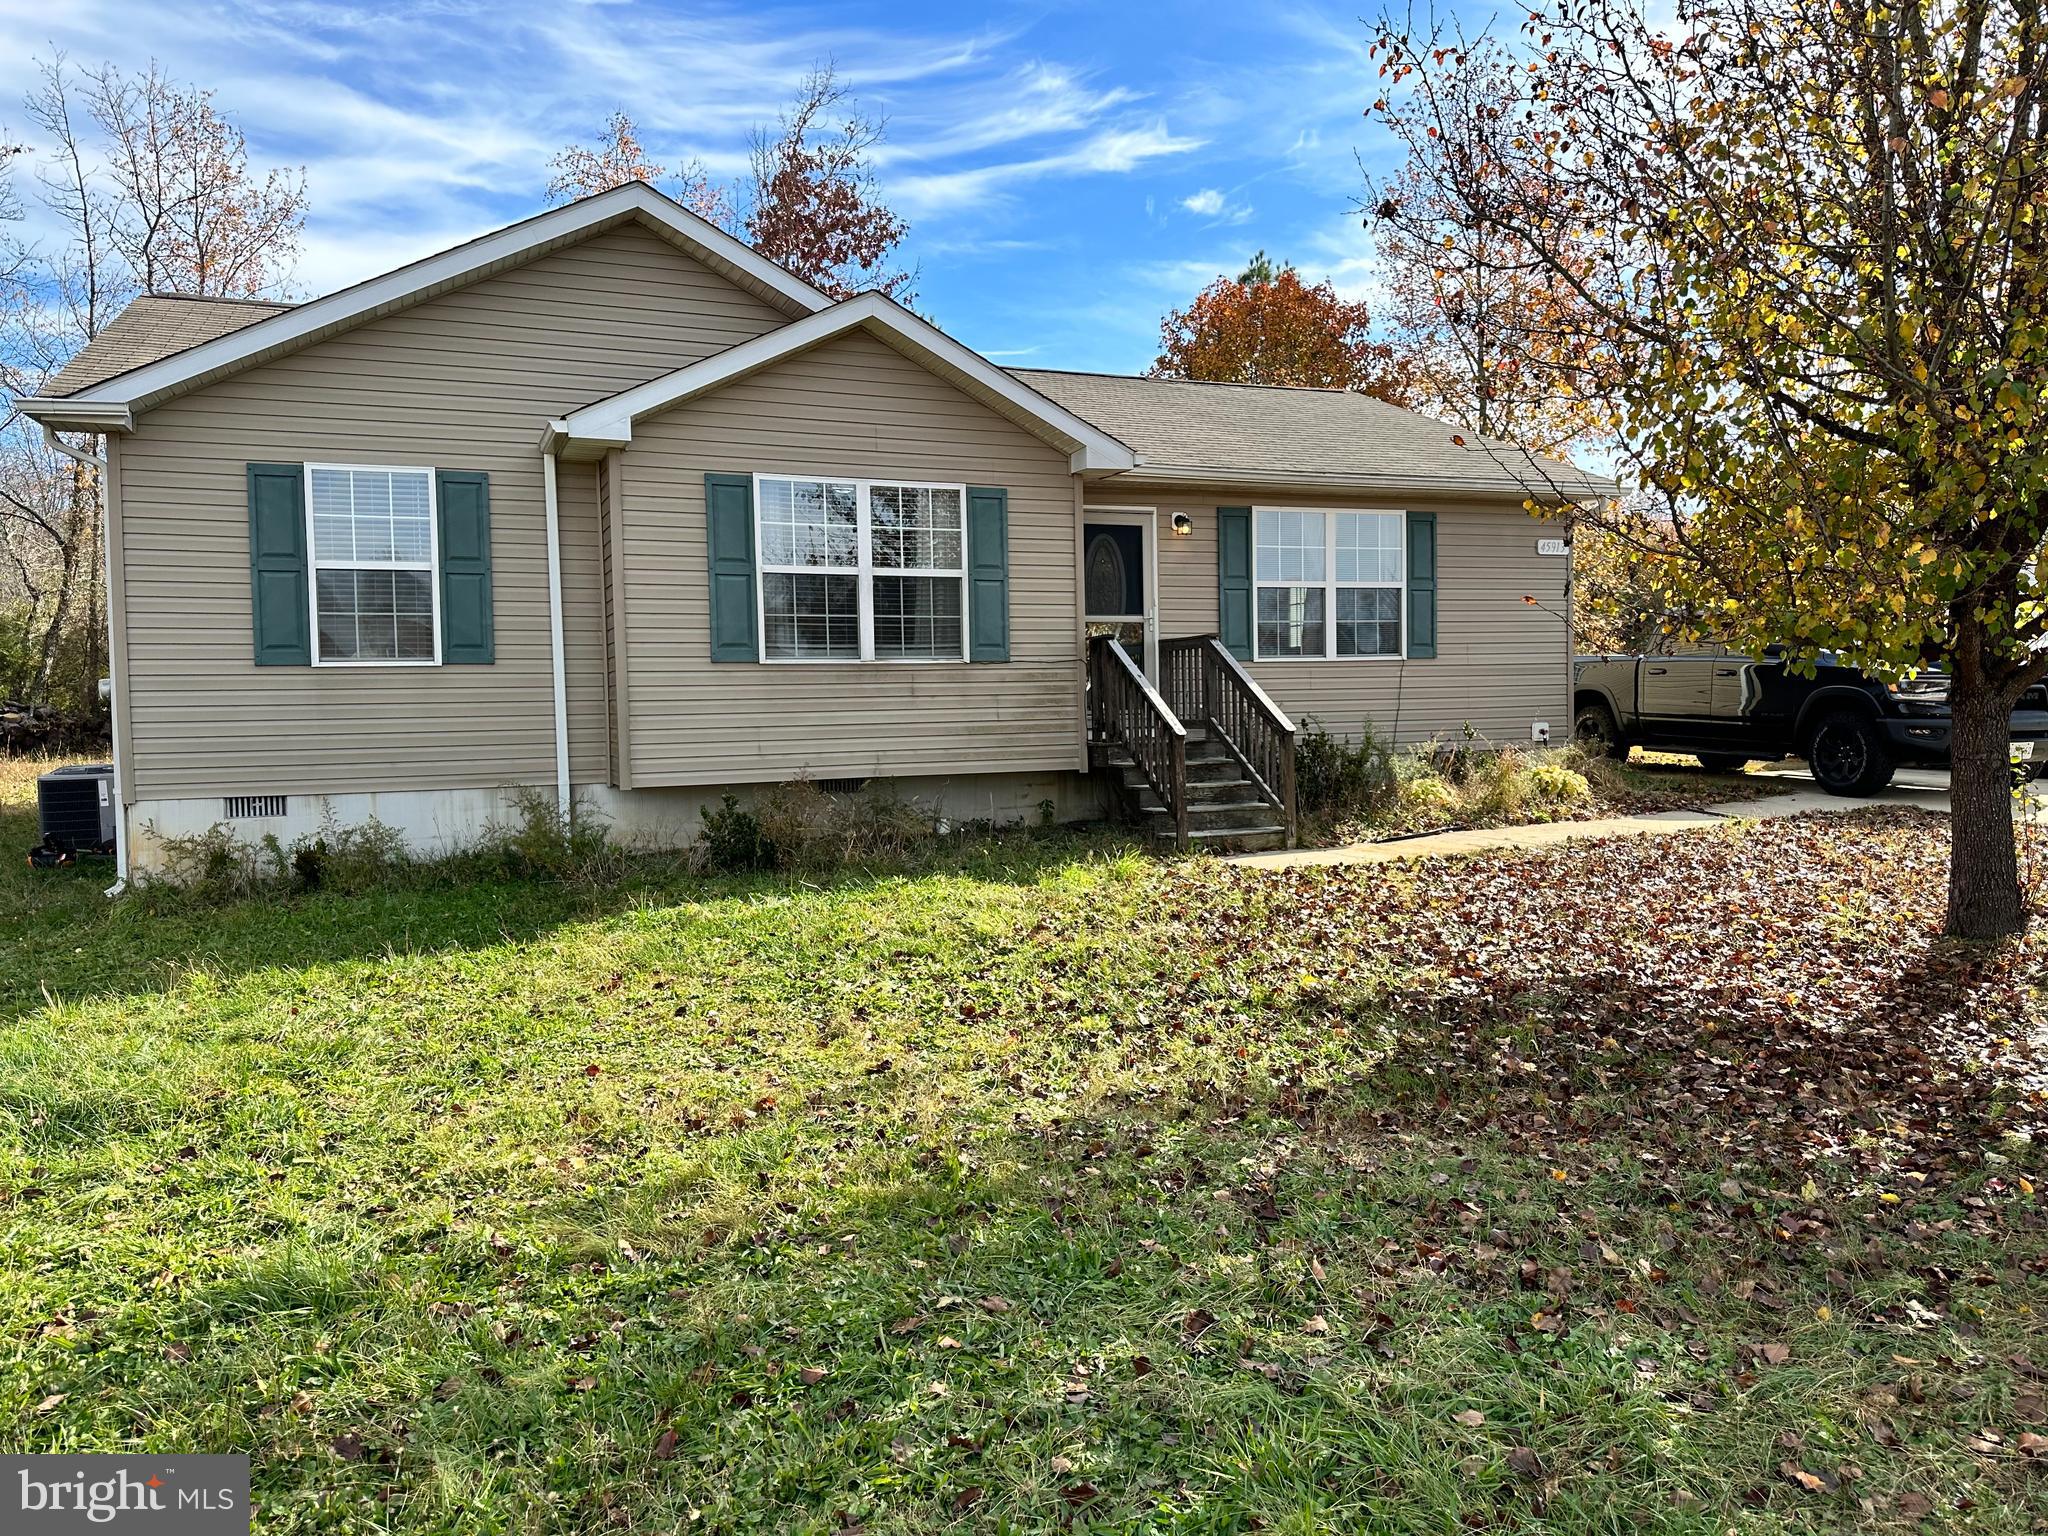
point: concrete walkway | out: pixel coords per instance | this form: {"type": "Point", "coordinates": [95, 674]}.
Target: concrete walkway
{"type": "Point", "coordinates": [1926, 789]}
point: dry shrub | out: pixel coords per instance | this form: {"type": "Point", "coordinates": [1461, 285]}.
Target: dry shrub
{"type": "Point", "coordinates": [539, 842]}
{"type": "Point", "coordinates": [542, 842]}
{"type": "Point", "coordinates": [1336, 777]}
{"type": "Point", "coordinates": [215, 866]}
{"type": "Point", "coordinates": [809, 829]}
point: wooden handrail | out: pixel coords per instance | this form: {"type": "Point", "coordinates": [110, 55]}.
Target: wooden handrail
{"type": "Point", "coordinates": [1205, 683]}
{"type": "Point", "coordinates": [1125, 708]}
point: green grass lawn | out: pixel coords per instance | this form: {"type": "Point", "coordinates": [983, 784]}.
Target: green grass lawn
{"type": "Point", "coordinates": [1660, 1185]}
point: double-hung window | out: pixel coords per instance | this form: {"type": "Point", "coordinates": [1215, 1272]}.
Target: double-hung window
{"type": "Point", "coordinates": [374, 557]}
{"type": "Point", "coordinates": [1328, 584]}
{"type": "Point", "coordinates": [861, 570]}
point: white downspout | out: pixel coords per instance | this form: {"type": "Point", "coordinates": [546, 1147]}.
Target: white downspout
{"type": "Point", "coordinates": [99, 461]}
{"type": "Point", "coordinates": [547, 470]}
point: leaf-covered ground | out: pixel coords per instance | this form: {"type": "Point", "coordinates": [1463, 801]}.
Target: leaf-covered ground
{"type": "Point", "coordinates": [1646, 782]}
{"type": "Point", "coordinates": [1682, 1184]}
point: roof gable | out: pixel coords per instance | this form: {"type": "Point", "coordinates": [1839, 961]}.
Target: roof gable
{"type": "Point", "coordinates": [111, 402]}
{"type": "Point", "coordinates": [609, 423]}
{"type": "Point", "coordinates": [1262, 434]}
{"type": "Point", "coordinates": [152, 327]}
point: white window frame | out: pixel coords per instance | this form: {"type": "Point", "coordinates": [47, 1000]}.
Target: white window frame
{"type": "Point", "coordinates": [1330, 585]}
{"type": "Point", "coordinates": [314, 566]}
{"type": "Point", "coordinates": [863, 569]}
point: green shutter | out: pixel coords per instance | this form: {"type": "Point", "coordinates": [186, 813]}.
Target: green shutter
{"type": "Point", "coordinates": [1234, 580]}
{"type": "Point", "coordinates": [729, 533]}
{"type": "Point", "coordinates": [467, 635]}
{"type": "Point", "coordinates": [988, 574]}
{"type": "Point", "coordinates": [1421, 585]}
{"type": "Point", "coordinates": [279, 599]}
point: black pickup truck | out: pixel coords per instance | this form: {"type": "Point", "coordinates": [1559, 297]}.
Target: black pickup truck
{"type": "Point", "coordinates": [1728, 710]}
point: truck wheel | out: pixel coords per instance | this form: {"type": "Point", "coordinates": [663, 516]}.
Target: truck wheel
{"type": "Point", "coordinates": [1848, 756]}
{"type": "Point", "coordinates": [1593, 728]}
{"type": "Point", "coordinates": [1722, 762]}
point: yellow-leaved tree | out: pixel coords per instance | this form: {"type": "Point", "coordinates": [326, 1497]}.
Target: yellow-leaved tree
{"type": "Point", "coordinates": [1808, 238]}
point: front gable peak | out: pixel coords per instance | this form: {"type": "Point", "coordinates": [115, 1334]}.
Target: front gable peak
{"type": "Point", "coordinates": [111, 403]}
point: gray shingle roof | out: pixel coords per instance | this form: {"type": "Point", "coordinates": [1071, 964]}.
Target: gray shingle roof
{"type": "Point", "coordinates": [1222, 432]}
{"type": "Point", "coordinates": [151, 328]}
{"type": "Point", "coordinates": [1301, 437]}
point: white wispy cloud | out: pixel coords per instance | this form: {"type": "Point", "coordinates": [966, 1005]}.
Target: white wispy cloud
{"type": "Point", "coordinates": [1216, 206]}
{"type": "Point", "coordinates": [1064, 184]}
{"type": "Point", "coordinates": [1343, 254]}
{"type": "Point", "coordinates": [1108, 151]}
{"type": "Point", "coordinates": [401, 161]}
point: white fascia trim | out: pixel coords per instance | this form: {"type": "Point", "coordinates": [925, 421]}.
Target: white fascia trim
{"type": "Point", "coordinates": [610, 421]}
{"type": "Point", "coordinates": [1571, 485]}
{"type": "Point", "coordinates": [137, 388]}
{"type": "Point", "coordinates": [68, 415]}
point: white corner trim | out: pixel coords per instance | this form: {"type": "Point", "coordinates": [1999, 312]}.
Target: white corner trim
{"type": "Point", "coordinates": [609, 422]}
{"type": "Point", "coordinates": [554, 534]}
{"type": "Point", "coordinates": [140, 387]}
{"type": "Point", "coordinates": [117, 664]}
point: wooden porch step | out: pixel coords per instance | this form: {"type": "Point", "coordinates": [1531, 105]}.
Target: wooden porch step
{"type": "Point", "coordinates": [1229, 813]}
{"type": "Point", "coordinates": [1200, 796]}
{"type": "Point", "coordinates": [1218, 801]}
{"type": "Point", "coordinates": [1206, 769]}
{"type": "Point", "coordinates": [1245, 839]}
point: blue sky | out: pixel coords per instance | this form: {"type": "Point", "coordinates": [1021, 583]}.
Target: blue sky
{"type": "Point", "coordinates": [1069, 170]}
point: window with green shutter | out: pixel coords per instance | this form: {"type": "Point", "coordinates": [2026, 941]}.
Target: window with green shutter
{"type": "Point", "coordinates": [729, 538]}
{"type": "Point", "coordinates": [988, 573]}
{"type": "Point", "coordinates": [370, 565]}
{"type": "Point", "coordinates": [1421, 586]}
{"type": "Point", "coordinates": [1324, 583]}
{"type": "Point", "coordinates": [467, 632]}
{"type": "Point", "coordinates": [278, 600]}
{"type": "Point", "coordinates": [844, 569]}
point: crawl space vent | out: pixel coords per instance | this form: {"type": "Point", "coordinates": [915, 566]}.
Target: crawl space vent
{"type": "Point", "coordinates": [249, 807]}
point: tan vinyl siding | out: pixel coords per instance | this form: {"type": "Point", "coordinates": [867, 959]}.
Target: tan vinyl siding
{"type": "Point", "coordinates": [853, 407]}
{"type": "Point", "coordinates": [611, 658]}
{"type": "Point", "coordinates": [463, 381]}
{"type": "Point", "coordinates": [584, 651]}
{"type": "Point", "coordinates": [1499, 664]}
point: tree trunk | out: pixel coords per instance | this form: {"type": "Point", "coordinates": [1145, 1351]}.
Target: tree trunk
{"type": "Point", "coordinates": [1984, 900]}
{"type": "Point", "coordinates": [52, 637]}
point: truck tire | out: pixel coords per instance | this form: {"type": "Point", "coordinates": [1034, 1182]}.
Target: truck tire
{"type": "Point", "coordinates": [1722, 762]}
{"type": "Point", "coordinates": [1594, 730]}
{"type": "Point", "coordinates": [1848, 756]}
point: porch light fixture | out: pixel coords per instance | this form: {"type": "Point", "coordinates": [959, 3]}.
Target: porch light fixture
{"type": "Point", "coordinates": [1183, 525]}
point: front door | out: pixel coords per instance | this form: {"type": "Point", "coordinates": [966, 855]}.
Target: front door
{"type": "Point", "coordinates": [1116, 582]}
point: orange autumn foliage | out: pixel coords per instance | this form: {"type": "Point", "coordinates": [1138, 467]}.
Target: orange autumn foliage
{"type": "Point", "coordinates": [1269, 327]}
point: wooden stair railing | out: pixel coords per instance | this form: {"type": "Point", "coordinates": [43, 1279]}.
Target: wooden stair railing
{"type": "Point", "coordinates": [1208, 686]}
{"type": "Point", "coordinates": [1126, 709]}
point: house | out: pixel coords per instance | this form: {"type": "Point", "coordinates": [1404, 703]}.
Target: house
{"type": "Point", "coordinates": [608, 504]}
